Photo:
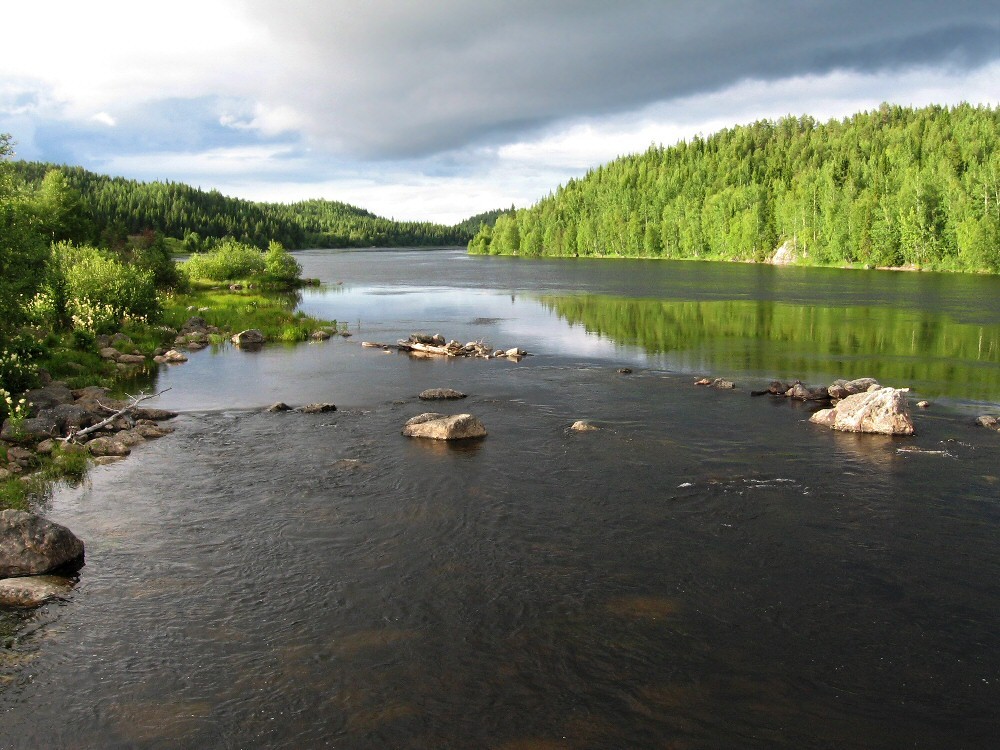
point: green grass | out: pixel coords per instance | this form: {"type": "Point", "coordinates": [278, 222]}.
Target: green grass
{"type": "Point", "coordinates": [234, 311]}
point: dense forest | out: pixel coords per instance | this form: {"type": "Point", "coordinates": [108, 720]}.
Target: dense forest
{"type": "Point", "coordinates": [891, 187]}
{"type": "Point", "coordinates": [113, 207]}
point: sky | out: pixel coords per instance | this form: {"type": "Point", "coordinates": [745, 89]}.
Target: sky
{"type": "Point", "coordinates": [442, 109]}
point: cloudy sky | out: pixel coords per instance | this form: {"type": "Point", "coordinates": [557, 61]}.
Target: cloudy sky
{"type": "Point", "coordinates": [440, 109]}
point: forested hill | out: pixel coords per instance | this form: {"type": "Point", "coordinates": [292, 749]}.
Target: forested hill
{"type": "Point", "coordinates": [114, 206]}
{"type": "Point", "coordinates": [891, 187]}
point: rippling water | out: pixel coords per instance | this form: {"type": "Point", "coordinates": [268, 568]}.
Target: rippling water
{"type": "Point", "coordinates": [707, 570]}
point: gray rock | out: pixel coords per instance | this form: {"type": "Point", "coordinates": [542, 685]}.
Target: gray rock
{"type": "Point", "coordinates": [32, 429]}
{"type": "Point", "coordinates": [109, 352]}
{"type": "Point", "coordinates": [131, 359]}
{"type": "Point", "coordinates": [439, 394]}
{"type": "Point", "coordinates": [51, 395]}
{"type": "Point", "coordinates": [31, 545]}
{"type": "Point", "coordinates": [153, 415]}
{"type": "Point", "coordinates": [882, 411]}
{"type": "Point", "coordinates": [70, 416]}
{"type": "Point", "coordinates": [439, 427]}
{"type": "Point", "coordinates": [252, 337]}
{"type": "Point", "coordinates": [319, 335]}
{"type": "Point", "coordinates": [194, 324]}
{"type": "Point", "coordinates": [280, 406]}
{"type": "Point", "coordinates": [31, 591]}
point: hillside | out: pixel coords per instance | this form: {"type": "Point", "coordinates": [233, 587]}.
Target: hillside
{"type": "Point", "coordinates": [891, 187]}
{"type": "Point", "coordinates": [112, 207]}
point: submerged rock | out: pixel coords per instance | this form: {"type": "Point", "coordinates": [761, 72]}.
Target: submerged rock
{"type": "Point", "coordinates": [441, 427]}
{"type": "Point", "coordinates": [582, 425]}
{"type": "Point", "coordinates": [279, 406]}
{"type": "Point", "coordinates": [31, 591]}
{"type": "Point", "coordinates": [881, 411]}
{"type": "Point", "coordinates": [990, 423]}
{"type": "Point", "coordinates": [317, 408]}
{"type": "Point", "coordinates": [438, 394]}
{"type": "Point", "coordinates": [31, 545]}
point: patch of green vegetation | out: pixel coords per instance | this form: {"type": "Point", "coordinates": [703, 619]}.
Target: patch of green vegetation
{"type": "Point", "coordinates": [273, 314]}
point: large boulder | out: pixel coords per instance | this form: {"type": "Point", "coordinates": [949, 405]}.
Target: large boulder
{"type": "Point", "coordinates": [881, 411]}
{"type": "Point", "coordinates": [30, 430]}
{"type": "Point", "coordinates": [31, 545]}
{"type": "Point", "coordinates": [51, 395]}
{"type": "Point", "coordinates": [30, 591]}
{"type": "Point", "coordinates": [250, 338]}
{"type": "Point", "coordinates": [441, 427]}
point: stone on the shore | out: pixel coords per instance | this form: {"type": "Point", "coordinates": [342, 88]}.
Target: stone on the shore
{"type": "Point", "coordinates": [319, 335]}
{"type": "Point", "coordinates": [130, 359]}
{"type": "Point", "coordinates": [881, 411]}
{"type": "Point", "coordinates": [439, 394]}
{"type": "Point", "coordinates": [153, 414]}
{"type": "Point", "coordinates": [31, 545]}
{"type": "Point", "coordinates": [31, 430]}
{"type": "Point", "coordinates": [31, 591]}
{"type": "Point", "coordinates": [317, 408]}
{"type": "Point", "coordinates": [582, 425]}
{"type": "Point", "coordinates": [109, 352]}
{"type": "Point", "coordinates": [441, 427]}
{"type": "Point", "coordinates": [107, 446]}
{"type": "Point", "coordinates": [52, 395]}
{"type": "Point", "coordinates": [171, 357]}
{"type": "Point", "coordinates": [251, 337]}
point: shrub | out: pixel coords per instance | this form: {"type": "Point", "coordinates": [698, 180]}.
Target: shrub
{"type": "Point", "coordinates": [96, 291]}
{"type": "Point", "coordinates": [280, 266]}
{"type": "Point", "coordinates": [228, 261]}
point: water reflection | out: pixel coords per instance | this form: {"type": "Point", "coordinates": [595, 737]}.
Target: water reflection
{"type": "Point", "coordinates": [929, 351]}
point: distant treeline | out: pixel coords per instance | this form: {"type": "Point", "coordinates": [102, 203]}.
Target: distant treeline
{"type": "Point", "coordinates": [111, 208]}
{"type": "Point", "coordinates": [890, 187]}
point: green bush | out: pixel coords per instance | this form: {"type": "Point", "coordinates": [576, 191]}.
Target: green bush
{"type": "Point", "coordinates": [279, 264]}
{"type": "Point", "coordinates": [96, 291]}
{"type": "Point", "coordinates": [228, 261]}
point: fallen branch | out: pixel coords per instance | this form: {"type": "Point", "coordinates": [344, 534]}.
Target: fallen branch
{"type": "Point", "coordinates": [136, 400]}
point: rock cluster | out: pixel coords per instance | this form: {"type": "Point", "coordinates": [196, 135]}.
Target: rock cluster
{"type": "Point", "coordinates": [436, 344]}
{"type": "Point", "coordinates": [121, 350]}
{"type": "Point", "coordinates": [989, 422]}
{"type": "Point", "coordinates": [58, 412]}
{"type": "Point", "coordinates": [195, 333]}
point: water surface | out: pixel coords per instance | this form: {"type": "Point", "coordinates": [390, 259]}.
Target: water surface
{"type": "Point", "coordinates": [707, 570]}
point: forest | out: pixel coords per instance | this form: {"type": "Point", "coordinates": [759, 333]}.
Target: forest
{"type": "Point", "coordinates": [893, 187]}
{"type": "Point", "coordinates": [111, 208]}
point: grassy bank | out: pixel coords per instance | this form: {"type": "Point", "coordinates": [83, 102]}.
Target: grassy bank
{"type": "Point", "coordinates": [75, 358]}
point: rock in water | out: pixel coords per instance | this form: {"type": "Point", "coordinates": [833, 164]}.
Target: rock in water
{"type": "Point", "coordinates": [31, 545]}
{"type": "Point", "coordinates": [249, 339]}
{"type": "Point", "coordinates": [440, 427]}
{"type": "Point", "coordinates": [582, 425]}
{"type": "Point", "coordinates": [882, 411]}
{"type": "Point", "coordinates": [30, 591]}
{"type": "Point", "coordinates": [321, 408]}
{"type": "Point", "coordinates": [437, 394]}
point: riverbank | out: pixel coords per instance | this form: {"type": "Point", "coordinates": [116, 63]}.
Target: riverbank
{"type": "Point", "coordinates": [108, 369]}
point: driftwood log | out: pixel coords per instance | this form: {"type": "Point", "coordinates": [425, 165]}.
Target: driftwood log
{"type": "Point", "coordinates": [134, 403]}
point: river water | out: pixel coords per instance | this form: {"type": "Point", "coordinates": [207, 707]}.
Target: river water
{"type": "Point", "coordinates": [707, 570]}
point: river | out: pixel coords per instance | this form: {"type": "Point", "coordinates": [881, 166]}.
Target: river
{"type": "Point", "coordinates": [707, 570]}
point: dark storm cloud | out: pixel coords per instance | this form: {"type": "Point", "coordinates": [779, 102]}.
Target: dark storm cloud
{"type": "Point", "coordinates": [396, 79]}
